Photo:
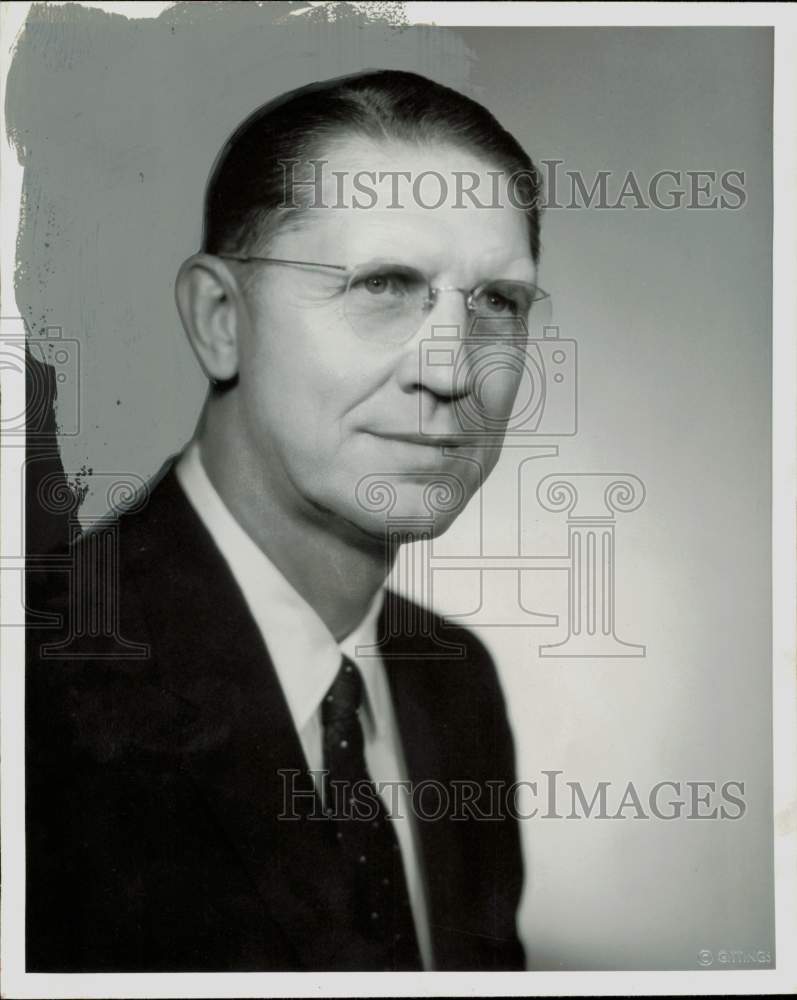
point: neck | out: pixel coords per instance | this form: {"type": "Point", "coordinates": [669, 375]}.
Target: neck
{"type": "Point", "coordinates": [337, 574]}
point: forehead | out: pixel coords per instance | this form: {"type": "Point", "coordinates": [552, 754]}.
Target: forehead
{"type": "Point", "coordinates": [399, 200]}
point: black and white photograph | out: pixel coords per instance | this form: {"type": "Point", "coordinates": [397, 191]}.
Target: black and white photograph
{"type": "Point", "coordinates": [397, 565]}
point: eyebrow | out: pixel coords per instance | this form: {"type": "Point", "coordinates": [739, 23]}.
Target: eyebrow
{"type": "Point", "coordinates": [381, 240]}
{"type": "Point", "coordinates": [430, 272]}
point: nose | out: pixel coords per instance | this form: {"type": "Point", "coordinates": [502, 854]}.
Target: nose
{"type": "Point", "coordinates": [433, 360]}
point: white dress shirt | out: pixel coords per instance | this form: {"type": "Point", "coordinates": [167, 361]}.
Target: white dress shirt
{"type": "Point", "coordinates": [307, 657]}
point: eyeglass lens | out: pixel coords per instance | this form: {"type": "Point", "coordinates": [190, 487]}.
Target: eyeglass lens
{"type": "Point", "coordinates": [387, 302]}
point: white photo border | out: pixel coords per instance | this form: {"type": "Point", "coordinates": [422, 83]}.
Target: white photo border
{"type": "Point", "coordinates": [783, 979]}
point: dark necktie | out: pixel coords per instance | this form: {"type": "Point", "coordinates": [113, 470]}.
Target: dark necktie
{"type": "Point", "coordinates": [366, 840]}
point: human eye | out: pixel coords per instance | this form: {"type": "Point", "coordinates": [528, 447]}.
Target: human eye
{"type": "Point", "coordinates": [500, 304]}
{"type": "Point", "coordinates": [506, 298]}
{"type": "Point", "coordinates": [387, 280]}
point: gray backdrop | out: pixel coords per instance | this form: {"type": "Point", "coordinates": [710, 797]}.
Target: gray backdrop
{"type": "Point", "coordinates": [117, 123]}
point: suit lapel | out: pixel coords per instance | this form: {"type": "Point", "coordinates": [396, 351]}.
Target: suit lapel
{"type": "Point", "coordinates": [240, 745]}
{"type": "Point", "coordinates": [419, 705]}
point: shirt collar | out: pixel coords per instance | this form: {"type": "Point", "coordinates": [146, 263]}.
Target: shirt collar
{"type": "Point", "coordinates": [304, 652]}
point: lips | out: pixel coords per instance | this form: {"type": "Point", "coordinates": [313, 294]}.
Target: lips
{"type": "Point", "coordinates": [427, 440]}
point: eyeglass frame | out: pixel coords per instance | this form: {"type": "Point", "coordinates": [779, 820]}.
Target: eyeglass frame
{"type": "Point", "coordinates": [433, 289]}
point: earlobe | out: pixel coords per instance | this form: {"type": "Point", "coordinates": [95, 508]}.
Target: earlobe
{"type": "Point", "coordinates": [207, 298]}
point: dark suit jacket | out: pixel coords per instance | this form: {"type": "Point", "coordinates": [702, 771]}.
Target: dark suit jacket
{"type": "Point", "coordinates": [153, 793]}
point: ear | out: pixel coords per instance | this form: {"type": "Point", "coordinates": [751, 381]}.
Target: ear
{"type": "Point", "coordinates": [209, 302]}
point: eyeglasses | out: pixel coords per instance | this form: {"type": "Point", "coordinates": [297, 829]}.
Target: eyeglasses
{"type": "Point", "coordinates": [385, 302]}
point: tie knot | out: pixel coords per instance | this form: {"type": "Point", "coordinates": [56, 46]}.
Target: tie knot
{"type": "Point", "coordinates": [345, 695]}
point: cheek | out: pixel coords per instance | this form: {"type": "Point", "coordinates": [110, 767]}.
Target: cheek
{"type": "Point", "coordinates": [498, 392]}
{"type": "Point", "coordinates": [300, 380]}
{"type": "Point", "coordinates": [277, 394]}
{"type": "Point", "coordinates": [494, 378]}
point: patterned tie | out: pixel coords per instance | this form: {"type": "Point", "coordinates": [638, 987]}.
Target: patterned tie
{"type": "Point", "coordinates": [363, 830]}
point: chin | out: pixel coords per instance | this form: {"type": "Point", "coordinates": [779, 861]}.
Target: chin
{"type": "Point", "coordinates": [385, 535]}
{"type": "Point", "coordinates": [405, 534]}
{"type": "Point", "coordinates": [403, 507]}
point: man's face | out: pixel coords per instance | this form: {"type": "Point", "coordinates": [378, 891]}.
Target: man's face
{"type": "Point", "coordinates": [344, 425]}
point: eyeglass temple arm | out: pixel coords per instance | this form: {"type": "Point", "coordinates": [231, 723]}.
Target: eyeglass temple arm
{"type": "Point", "coordinates": [244, 258]}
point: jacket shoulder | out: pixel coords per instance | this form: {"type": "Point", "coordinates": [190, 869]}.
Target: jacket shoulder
{"type": "Point", "coordinates": [444, 672]}
{"type": "Point", "coordinates": [414, 633]}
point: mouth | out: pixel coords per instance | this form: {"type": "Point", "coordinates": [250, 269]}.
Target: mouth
{"type": "Point", "coordinates": [425, 440]}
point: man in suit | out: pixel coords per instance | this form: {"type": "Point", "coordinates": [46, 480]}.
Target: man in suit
{"type": "Point", "coordinates": [229, 778]}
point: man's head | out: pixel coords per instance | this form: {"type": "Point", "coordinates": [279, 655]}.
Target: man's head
{"type": "Point", "coordinates": [247, 184]}
{"type": "Point", "coordinates": [338, 407]}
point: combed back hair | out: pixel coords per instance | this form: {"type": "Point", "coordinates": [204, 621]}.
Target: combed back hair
{"type": "Point", "coordinates": [246, 202]}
